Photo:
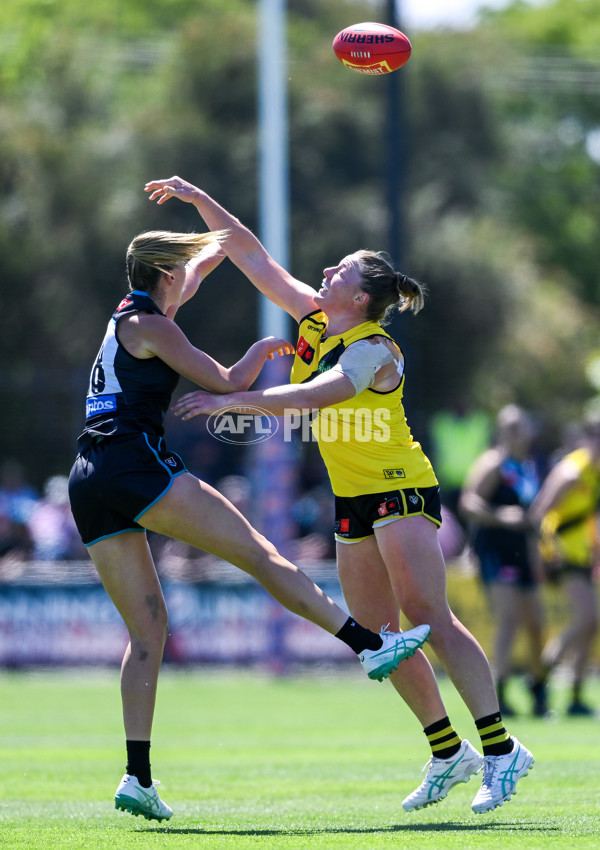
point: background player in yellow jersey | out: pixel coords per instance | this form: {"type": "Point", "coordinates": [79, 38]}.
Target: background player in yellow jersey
{"type": "Point", "coordinates": [566, 512]}
{"type": "Point", "coordinates": [387, 498]}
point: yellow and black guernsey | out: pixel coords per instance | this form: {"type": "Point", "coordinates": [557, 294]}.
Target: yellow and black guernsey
{"type": "Point", "coordinates": [365, 442]}
{"type": "Point", "coordinates": [570, 529]}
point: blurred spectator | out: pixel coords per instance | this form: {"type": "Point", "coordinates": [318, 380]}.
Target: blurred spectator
{"type": "Point", "coordinates": [566, 512]}
{"type": "Point", "coordinates": [17, 500]}
{"type": "Point", "coordinates": [458, 437]}
{"type": "Point", "coordinates": [498, 492]}
{"type": "Point", "coordinates": [237, 489]}
{"type": "Point", "coordinates": [451, 536]}
{"type": "Point", "coordinates": [53, 530]}
{"type": "Point", "coordinates": [17, 496]}
{"type": "Point", "coordinates": [314, 514]}
{"type": "Point", "coordinates": [15, 540]}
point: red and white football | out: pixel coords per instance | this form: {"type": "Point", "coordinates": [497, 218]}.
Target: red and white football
{"type": "Point", "coordinates": [371, 48]}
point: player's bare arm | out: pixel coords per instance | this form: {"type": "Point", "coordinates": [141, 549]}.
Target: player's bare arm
{"type": "Point", "coordinates": [560, 479]}
{"type": "Point", "coordinates": [327, 389]}
{"type": "Point", "coordinates": [241, 246]}
{"type": "Point", "coordinates": [480, 485]}
{"type": "Point", "coordinates": [197, 269]}
{"type": "Point", "coordinates": [144, 335]}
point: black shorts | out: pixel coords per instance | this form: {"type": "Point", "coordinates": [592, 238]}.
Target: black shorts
{"type": "Point", "coordinates": [114, 480]}
{"type": "Point", "coordinates": [556, 573]}
{"type": "Point", "coordinates": [515, 572]}
{"type": "Point", "coordinates": [356, 517]}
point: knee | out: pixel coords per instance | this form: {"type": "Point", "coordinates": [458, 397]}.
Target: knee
{"type": "Point", "coordinates": [149, 646]}
{"type": "Point", "coordinates": [419, 612]}
{"type": "Point", "coordinates": [248, 548]}
{"type": "Point", "coordinates": [260, 554]}
{"type": "Point", "coordinates": [153, 630]}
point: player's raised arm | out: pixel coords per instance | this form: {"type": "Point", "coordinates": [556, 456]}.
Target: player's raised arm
{"type": "Point", "coordinates": [196, 270]}
{"type": "Point", "coordinates": [241, 246]}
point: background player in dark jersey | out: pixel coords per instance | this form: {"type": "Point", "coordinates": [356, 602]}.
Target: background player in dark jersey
{"type": "Point", "coordinates": [388, 552]}
{"type": "Point", "coordinates": [124, 481]}
{"type": "Point", "coordinates": [498, 492]}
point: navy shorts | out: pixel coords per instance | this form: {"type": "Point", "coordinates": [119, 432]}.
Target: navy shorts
{"type": "Point", "coordinates": [356, 517]}
{"type": "Point", "coordinates": [515, 571]}
{"type": "Point", "coordinates": [114, 480]}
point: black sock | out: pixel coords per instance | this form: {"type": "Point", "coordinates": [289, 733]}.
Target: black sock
{"type": "Point", "coordinates": [138, 761]}
{"type": "Point", "coordinates": [538, 688]}
{"type": "Point", "coordinates": [495, 740]}
{"type": "Point", "coordinates": [357, 637]}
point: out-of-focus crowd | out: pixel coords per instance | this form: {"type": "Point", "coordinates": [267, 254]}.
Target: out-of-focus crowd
{"type": "Point", "coordinates": [39, 527]}
{"type": "Point", "coordinates": [34, 525]}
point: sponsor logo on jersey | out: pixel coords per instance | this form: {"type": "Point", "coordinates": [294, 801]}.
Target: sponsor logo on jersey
{"type": "Point", "coordinates": [394, 473]}
{"type": "Point", "coordinates": [124, 303]}
{"type": "Point", "coordinates": [305, 351]}
{"type": "Point", "coordinates": [100, 404]}
{"type": "Point", "coordinates": [249, 425]}
{"type": "Point", "coordinates": [171, 461]}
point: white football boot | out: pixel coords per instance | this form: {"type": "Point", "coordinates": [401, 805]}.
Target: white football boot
{"type": "Point", "coordinates": [500, 777]}
{"type": "Point", "coordinates": [444, 774]}
{"type": "Point", "coordinates": [132, 797]}
{"type": "Point", "coordinates": [397, 646]}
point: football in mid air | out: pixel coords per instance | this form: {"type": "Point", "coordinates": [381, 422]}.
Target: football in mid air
{"type": "Point", "coordinates": [371, 48]}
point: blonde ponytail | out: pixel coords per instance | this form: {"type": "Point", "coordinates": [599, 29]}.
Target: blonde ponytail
{"type": "Point", "coordinates": [387, 288]}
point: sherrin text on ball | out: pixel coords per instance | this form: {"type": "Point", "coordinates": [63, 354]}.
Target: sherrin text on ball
{"type": "Point", "coordinates": [371, 48]}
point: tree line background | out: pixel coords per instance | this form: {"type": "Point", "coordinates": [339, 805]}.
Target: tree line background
{"type": "Point", "coordinates": [500, 142]}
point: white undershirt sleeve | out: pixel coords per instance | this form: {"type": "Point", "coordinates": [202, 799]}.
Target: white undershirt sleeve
{"type": "Point", "coordinates": [361, 361]}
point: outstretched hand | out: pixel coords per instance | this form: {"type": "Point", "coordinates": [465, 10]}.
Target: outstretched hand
{"type": "Point", "coordinates": [172, 187]}
{"type": "Point", "coordinates": [274, 346]}
{"type": "Point", "coordinates": [193, 404]}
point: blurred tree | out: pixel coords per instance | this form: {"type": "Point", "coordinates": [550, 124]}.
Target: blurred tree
{"type": "Point", "coordinates": [547, 93]}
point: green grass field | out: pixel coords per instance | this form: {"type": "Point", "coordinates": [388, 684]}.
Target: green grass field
{"type": "Point", "coordinates": [248, 761]}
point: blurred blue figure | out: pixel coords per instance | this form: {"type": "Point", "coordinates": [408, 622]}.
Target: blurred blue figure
{"type": "Point", "coordinates": [498, 491]}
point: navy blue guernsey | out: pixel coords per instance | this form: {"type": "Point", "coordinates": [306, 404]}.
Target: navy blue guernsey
{"type": "Point", "coordinates": [128, 394]}
{"type": "Point", "coordinates": [518, 485]}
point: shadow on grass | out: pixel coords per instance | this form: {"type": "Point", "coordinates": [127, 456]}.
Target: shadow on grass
{"type": "Point", "coordinates": [448, 826]}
